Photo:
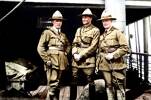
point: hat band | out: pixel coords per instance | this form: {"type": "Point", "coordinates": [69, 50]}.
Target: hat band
{"type": "Point", "coordinates": [108, 17]}
{"type": "Point", "coordinates": [87, 14]}
{"type": "Point", "coordinates": [57, 17]}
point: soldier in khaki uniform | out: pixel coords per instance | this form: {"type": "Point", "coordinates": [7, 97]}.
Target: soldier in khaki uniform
{"type": "Point", "coordinates": [84, 46]}
{"type": "Point", "coordinates": [53, 48]}
{"type": "Point", "coordinates": [113, 46]}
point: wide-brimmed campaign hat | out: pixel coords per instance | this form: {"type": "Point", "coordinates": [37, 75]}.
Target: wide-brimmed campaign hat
{"type": "Point", "coordinates": [57, 15]}
{"type": "Point", "coordinates": [87, 12]}
{"type": "Point", "coordinates": [106, 14]}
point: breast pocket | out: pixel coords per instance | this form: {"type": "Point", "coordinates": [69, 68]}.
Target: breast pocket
{"type": "Point", "coordinates": [87, 39]}
{"type": "Point", "coordinates": [111, 41]}
{"type": "Point", "coordinates": [53, 41]}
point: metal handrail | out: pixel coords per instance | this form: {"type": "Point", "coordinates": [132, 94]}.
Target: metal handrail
{"type": "Point", "coordinates": [138, 53]}
{"type": "Point", "coordinates": [141, 65]}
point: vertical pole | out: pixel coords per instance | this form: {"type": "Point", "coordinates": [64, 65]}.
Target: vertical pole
{"type": "Point", "coordinates": [140, 56]}
{"type": "Point", "coordinates": [117, 8]}
{"type": "Point", "coordinates": [146, 32]}
{"type": "Point", "coordinates": [129, 41]}
{"type": "Point", "coordinates": [3, 77]}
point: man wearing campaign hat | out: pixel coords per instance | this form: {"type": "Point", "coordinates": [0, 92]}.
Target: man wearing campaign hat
{"type": "Point", "coordinates": [53, 48]}
{"type": "Point", "coordinates": [84, 46]}
{"type": "Point", "coordinates": [113, 46]}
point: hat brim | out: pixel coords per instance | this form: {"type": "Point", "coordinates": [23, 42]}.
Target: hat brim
{"type": "Point", "coordinates": [57, 19]}
{"type": "Point", "coordinates": [106, 19]}
{"type": "Point", "coordinates": [80, 15]}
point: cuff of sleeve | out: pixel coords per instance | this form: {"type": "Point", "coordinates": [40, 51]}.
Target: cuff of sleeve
{"type": "Point", "coordinates": [115, 56]}
{"type": "Point", "coordinates": [81, 55]}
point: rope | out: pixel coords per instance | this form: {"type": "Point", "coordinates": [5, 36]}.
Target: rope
{"type": "Point", "coordinates": [12, 10]}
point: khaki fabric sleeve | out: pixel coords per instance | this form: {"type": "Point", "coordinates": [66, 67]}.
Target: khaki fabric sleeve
{"type": "Point", "coordinates": [76, 40]}
{"type": "Point", "coordinates": [123, 43]}
{"type": "Point", "coordinates": [67, 46]}
{"type": "Point", "coordinates": [42, 44]}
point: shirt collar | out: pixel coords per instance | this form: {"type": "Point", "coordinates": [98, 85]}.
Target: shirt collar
{"type": "Point", "coordinates": [108, 29]}
{"type": "Point", "coordinates": [56, 30]}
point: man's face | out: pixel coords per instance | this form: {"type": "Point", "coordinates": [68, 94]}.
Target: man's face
{"type": "Point", "coordinates": [107, 23]}
{"type": "Point", "coordinates": [57, 23]}
{"type": "Point", "coordinates": [86, 20]}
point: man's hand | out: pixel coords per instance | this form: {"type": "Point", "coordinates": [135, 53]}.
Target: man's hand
{"type": "Point", "coordinates": [77, 57]}
{"type": "Point", "coordinates": [74, 50]}
{"type": "Point", "coordinates": [48, 63]}
{"type": "Point", "coordinates": [109, 56]}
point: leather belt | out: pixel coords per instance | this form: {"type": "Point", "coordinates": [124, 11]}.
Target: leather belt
{"type": "Point", "coordinates": [56, 48]}
{"type": "Point", "coordinates": [83, 46]}
{"type": "Point", "coordinates": [109, 50]}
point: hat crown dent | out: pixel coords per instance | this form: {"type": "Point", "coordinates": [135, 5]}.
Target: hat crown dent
{"type": "Point", "coordinates": [87, 12]}
{"type": "Point", "coordinates": [106, 14]}
{"type": "Point", "coordinates": [57, 15]}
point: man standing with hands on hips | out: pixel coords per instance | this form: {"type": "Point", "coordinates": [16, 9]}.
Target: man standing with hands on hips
{"type": "Point", "coordinates": [53, 48]}
{"type": "Point", "coordinates": [113, 46]}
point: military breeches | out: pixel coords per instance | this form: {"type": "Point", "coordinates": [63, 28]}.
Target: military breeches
{"type": "Point", "coordinates": [114, 77]}
{"type": "Point", "coordinates": [87, 71]}
{"type": "Point", "coordinates": [115, 82]}
{"type": "Point", "coordinates": [53, 77]}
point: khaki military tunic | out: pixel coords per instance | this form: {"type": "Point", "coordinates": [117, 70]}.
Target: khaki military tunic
{"type": "Point", "coordinates": [113, 41]}
{"type": "Point", "coordinates": [86, 41]}
{"type": "Point", "coordinates": [54, 47]}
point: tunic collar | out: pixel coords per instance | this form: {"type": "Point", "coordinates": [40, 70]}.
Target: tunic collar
{"type": "Point", "coordinates": [87, 28]}
{"type": "Point", "coordinates": [107, 30]}
{"type": "Point", "coordinates": [57, 31]}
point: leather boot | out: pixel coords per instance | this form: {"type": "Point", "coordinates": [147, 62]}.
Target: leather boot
{"type": "Point", "coordinates": [110, 94]}
{"type": "Point", "coordinates": [121, 93]}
